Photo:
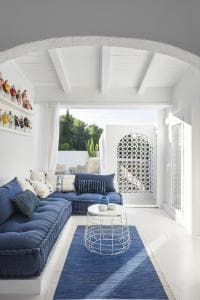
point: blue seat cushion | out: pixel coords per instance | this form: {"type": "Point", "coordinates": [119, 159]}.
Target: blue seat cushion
{"type": "Point", "coordinates": [81, 202]}
{"type": "Point", "coordinates": [7, 193]}
{"type": "Point", "coordinates": [25, 243]}
{"type": "Point", "coordinates": [114, 197]}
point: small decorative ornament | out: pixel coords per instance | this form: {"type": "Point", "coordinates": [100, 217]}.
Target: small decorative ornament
{"type": "Point", "coordinates": [0, 116]}
{"type": "Point", "coordinates": [19, 97]}
{"type": "Point", "coordinates": [6, 87]}
{"type": "Point", "coordinates": [112, 206]}
{"type": "Point", "coordinates": [5, 118]}
{"type": "Point", "coordinates": [1, 82]}
{"type": "Point", "coordinates": [104, 200]}
{"type": "Point", "coordinates": [10, 119]}
{"type": "Point", "coordinates": [103, 207]}
{"type": "Point", "coordinates": [21, 122]}
{"type": "Point", "coordinates": [13, 92]}
{"type": "Point", "coordinates": [16, 119]}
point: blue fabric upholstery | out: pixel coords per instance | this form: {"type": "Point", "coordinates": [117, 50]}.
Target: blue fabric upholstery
{"type": "Point", "coordinates": [26, 203]}
{"type": "Point", "coordinates": [7, 193]}
{"type": "Point", "coordinates": [91, 186]}
{"type": "Point", "coordinates": [109, 185]}
{"type": "Point", "coordinates": [80, 202]}
{"type": "Point", "coordinates": [26, 243]}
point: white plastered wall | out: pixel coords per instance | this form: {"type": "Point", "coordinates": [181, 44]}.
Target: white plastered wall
{"type": "Point", "coordinates": [18, 153]}
{"type": "Point", "coordinates": [185, 109]}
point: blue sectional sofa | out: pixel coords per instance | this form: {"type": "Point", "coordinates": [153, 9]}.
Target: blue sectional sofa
{"type": "Point", "coordinates": [25, 242]}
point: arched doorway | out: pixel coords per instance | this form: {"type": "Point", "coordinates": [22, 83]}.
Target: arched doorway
{"type": "Point", "coordinates": [135, 164]}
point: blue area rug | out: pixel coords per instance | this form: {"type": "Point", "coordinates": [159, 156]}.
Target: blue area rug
{"type": "Point", "coordinates": [125, 276]}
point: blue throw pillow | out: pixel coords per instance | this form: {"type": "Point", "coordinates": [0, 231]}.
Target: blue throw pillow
{"type": "Point", "coordinates": [108, 179]}
{"type": "Point", "coordinates": [91, 186]}
{"type": "Point", "coordinates": [26, 203]}
{"type": "Point", "coordinates": [7, 193]}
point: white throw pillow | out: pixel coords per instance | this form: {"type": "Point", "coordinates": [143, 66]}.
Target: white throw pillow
{"type": "Point", "coordinates": [61, 183]}
{"type": "Point", "coordinates": [67, 183]}
{"type": "Point", "coordinates": [37, 176]}
{"type": "Point", "coordinates": [25, 185]}
{"type": "Point", "coordinates": [52, 179]}
{"type": "Point", "coordinates": [41, 188]}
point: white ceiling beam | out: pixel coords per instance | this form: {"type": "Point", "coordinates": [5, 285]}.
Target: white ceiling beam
{"type": "Point", "coordinates": [144, 82]}
{"type": "Point", "coordinates": [58, 63]}
{"type": "Point", "coordinates": [105, 68]}
{"type": "Point", "coordinates": [115, 97]}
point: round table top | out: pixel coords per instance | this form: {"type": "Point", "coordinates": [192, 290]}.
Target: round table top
{"type": "Point", "coordinates": [94, 211]}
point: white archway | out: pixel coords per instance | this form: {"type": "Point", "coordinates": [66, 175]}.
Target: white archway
{"type": "Point", "coordinates": [148, 45]}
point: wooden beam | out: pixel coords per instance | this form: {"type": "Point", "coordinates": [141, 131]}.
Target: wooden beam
{"type": "Point", "coordinates": [144, 81]}
{"type": "Point", "coordinates": [58, 63]}
{"type": "Point", "coordinates": [105, 69]}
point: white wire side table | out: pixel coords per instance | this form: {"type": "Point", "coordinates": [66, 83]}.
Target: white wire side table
{"type": "Point", "coordinates": [107, 232]}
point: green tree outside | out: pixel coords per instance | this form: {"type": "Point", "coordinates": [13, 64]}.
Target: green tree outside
{"type": "Point", "coordinates": [77, 135]}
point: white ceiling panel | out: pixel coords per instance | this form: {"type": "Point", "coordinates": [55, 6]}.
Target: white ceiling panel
{"type": "Point", "coordinates": [165, 71]}
{"type": "Point", "coordinates": [82, 65]}
{"type": "Point", "coordinates": [127, 66]}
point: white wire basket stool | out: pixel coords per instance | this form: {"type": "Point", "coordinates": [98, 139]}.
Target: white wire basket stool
{"type": "Point", "coordinates": [107, 232]}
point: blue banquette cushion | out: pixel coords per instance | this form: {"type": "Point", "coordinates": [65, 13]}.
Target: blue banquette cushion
{"type": "Point", "coordinates": [108, 179]}
{"type": "Point", "coordinates": [7, 193]}
{"type": "Point", "coordinates": [25, 243]}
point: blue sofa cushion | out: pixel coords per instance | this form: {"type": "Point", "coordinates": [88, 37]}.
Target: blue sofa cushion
{"type": "Point", "coordinates": [26, 203]}
{"type": "Point", "coordinates": [80, 202]}
{"type": "Point", "coordinates": [26, 243]}
{"type": "Point", "coordinates": [114, 197]}
{"type": "Point", "coordinates": [91, 186]}
{"type": "Point", "coordinates": [108, 179]}
{"type": "Point", "coordinates": [7, 193]}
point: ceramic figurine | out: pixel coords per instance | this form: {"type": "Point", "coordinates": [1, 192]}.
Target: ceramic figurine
{"type": "Point", "coordinates": [0, 116]}
{"type": "Point", "coordinates": [13, 92]}
{"type": "Point", "coordinates": [1, 82]}
{"type": "Point", "coordinates": [6, 87]}
{"type": "Point", "coordinates": [21, 122]}
{"type": "Point", "coordinates": [10, 119]}
{"type": "Point", "coordinates": [27, 123]}
{"type": "Point", "coordinates": [19, 97]}
{"type": "Point", "coordinates": [4, 118]}
{"type": "Point", "coordinates": [24, 99]}
{"type": "Point", "coordinates": [16, 119]}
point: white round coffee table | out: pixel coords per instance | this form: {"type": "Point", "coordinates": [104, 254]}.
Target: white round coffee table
{"type": "Point", "coordinates": [107, 232]}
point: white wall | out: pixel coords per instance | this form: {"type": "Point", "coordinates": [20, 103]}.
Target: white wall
{"type": "Point", "coordinates": [72, 158]}
{"type": "Point", "coordinates": [186, 109]}
{"type": "Point", "coordinates": [18, 153]}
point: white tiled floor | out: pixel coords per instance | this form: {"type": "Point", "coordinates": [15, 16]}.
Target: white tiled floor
{"type": "Point", "coordinates": [175, 254]}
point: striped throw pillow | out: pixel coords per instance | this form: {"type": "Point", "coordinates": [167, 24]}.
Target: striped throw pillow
{"type": "Point", "coordinates": [91, 186]}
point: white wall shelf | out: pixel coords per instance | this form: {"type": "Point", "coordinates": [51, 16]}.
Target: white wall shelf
{"type": "Point", "coordinates": [15, 131]}
{"type": "Point", "coordinates": [6, 101]}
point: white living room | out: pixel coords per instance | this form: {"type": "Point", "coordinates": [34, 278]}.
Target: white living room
{"type": "Point", "coordinates": [99, 154]}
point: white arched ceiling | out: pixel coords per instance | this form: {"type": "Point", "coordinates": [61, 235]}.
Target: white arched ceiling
{"type": "Point", "coordinates": [101, 70]}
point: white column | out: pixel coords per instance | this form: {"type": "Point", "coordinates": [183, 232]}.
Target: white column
{"type": "Point", "coordinates": [196, 170]}
{"type": "Point", "coordinates": [161, 157]}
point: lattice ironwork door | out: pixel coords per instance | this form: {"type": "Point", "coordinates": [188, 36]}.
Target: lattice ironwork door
{"type": "Point", "coordinates": [135, 164]}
